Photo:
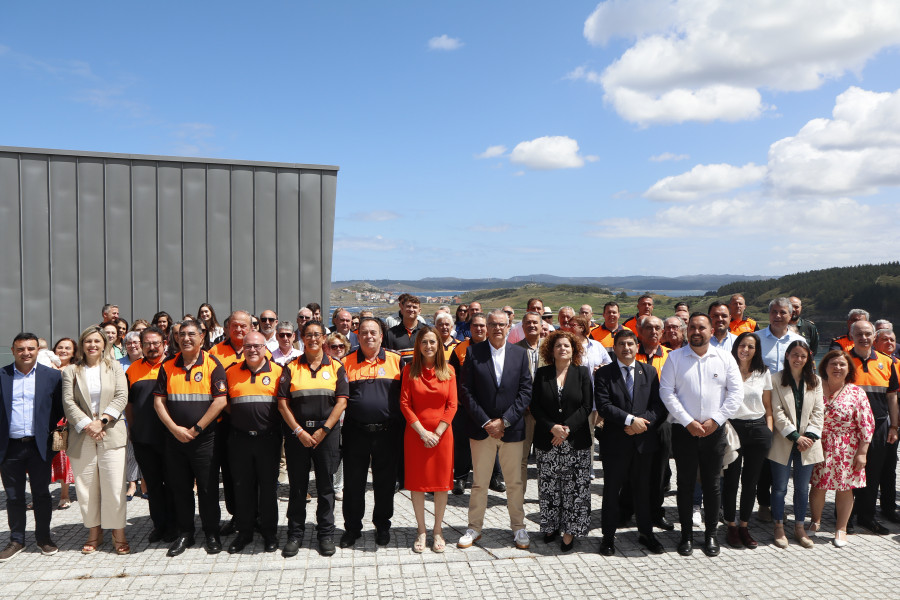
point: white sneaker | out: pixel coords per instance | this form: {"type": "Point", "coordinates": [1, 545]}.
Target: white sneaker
{"type": "Point", "coordinates": [698, 517]}
{"type": "Point", "coordinates": [521, 539]}
{"type": "Point", "coordinates": [470, 537]}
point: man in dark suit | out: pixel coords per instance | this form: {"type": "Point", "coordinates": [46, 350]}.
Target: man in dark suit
{"type": "Point", "coordinates": [32, 405]}
{"type": "Point", "coordinates": [627, 397]}
{"type": "Point", "coordinates": [496, 390]}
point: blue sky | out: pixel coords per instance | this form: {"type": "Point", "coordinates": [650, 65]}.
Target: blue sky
{"type": "Point", "coordinates": [478, 139]}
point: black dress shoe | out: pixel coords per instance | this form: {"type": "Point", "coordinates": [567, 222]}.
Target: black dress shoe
{"type": "Point", "coordinates": [497, 485]}
{"type": "Point", "coordinates": [227, 528]}
{"type": "Point", "coordinates": [650, 542]}
{"type": "Point", "coordinates": [459, 487]}
{"type": "Point", "coordinates": [874, 526]}
{"type": "Point", "coordinates": [383, 537]}
{"type": "Point", "coordinates": [349, 538]}
{"type": "Point", "coordinates": [664, 524]}
{"type": "Point", "coordinates": [291, 548]}
{"type": "Point", "coordinates": [270, 544]}
{"type": "Point", "coordinates": [549, 537]}
{"type": "Point", "coordinates": [181, 543]}
{"type": "Point", "coordinates": [891, 515]}
{"type": "Point", "coordinates": [711, 545]}
{"type": "Point", "coordinates": [239, 543]}
{"type": "Point", "coordinates": [608, 545]}
{"type": "Point", "coordinates": [213, 544]}
{"type": "Point", "coordinates": [564, 547]}
{"type": "Point", "coordinates": [156, 535]}
{"type": "Point", "coordinates": [686, 547]}
{"type": "Point", "coordinates": [326, 547]}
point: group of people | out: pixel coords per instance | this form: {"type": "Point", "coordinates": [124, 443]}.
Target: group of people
{"type": "Point", "coordinates": [426, 407]}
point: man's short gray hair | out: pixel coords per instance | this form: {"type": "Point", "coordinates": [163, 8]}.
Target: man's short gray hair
{"type": "Point", "coordinates": [857, 324]}
{"type": "Point", "coordinates": [285, 326]}
{"type": "Point", "coordinates": [856, 312]}
{"type": "Point", "coordinates": [442, 316]}
{"type": "Point", "coordinates": [879, 333]}
{"type": "Point", "coordinates": [883, 324]}
{"type": "Point", "coordinates": [780, 302]}
{"type": "Point", "coordinates": [498, 313]}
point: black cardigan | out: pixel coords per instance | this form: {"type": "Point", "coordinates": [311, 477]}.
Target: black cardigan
{"type": "Point", "coordinates": [571, 409]}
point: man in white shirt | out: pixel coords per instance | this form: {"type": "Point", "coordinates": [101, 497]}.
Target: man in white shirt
{"type": "Point", "coordinates": [267, 322]}
{"type": "Point", "coordinates": [702, 388]}
{"type": "Point", "coordinates": [285, 351]}
{"type": "Point", "coordinates": [516, 334]}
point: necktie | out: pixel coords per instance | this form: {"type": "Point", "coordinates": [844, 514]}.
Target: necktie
{"type": "Point", "coordinates": [629, 381]}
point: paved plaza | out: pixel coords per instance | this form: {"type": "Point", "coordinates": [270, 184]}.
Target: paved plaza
{"type": "Point", "coordinates": [492, 569]}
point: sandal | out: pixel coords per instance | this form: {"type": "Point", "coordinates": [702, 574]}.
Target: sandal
{"type": "Point", "coordinates": [121, 545]}
{"type": "Point", "coordinates": [840, 538]}
{"type": "Point", "coordinates": [419, 544]}
{"type": "Point", "coordinates": [94, 541]}
{"type": "Point", "coordinates": [439, 544]}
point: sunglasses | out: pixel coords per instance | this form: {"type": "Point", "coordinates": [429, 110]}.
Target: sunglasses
{"type": "Point", "coordinates": [254, 323]}
{"type": "Point", "coordinates": [267, 319]}
{"type": "Point", "coordinates": [285, 335]}
{"type": "Point", "coordinates": [337, 347]}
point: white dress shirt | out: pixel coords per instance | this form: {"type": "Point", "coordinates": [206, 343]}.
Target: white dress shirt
{"type": "Point", "coordinates": [281, 358]}
{"type": "Point", "coordinates": [499, 356]}
{"type": "Point", "coordinates": [697, 388]}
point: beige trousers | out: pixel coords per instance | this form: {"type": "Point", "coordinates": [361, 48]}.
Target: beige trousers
{"type": "Point", "coordinates": [510, 455]}
{"type": "Point", "coordinates": [100, 484]}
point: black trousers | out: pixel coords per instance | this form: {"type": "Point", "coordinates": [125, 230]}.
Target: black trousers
{"type": "Point", "coordinates": [151, 459]}
{"type": "Point", "coordinates": [223, 429]}
{"type": "Point", "coordinates": [324, 458]}
{"type": "Point", "coordinates": [196, 460]}
{"type": "Point", "coordinates": [888, 481]}
{"type": "Point", "coordinates": [381, 448]}
{"type": "Point", "coordinates": [254, 471]}
{"type": "Point", "coordinates": [23, 458]}
{"type": "Point", "coordinates": [691, 453]}
{"type": "Point", "coordinates": [627, 468]}
{"type": "Point", "coordinates": [756, 439]}
{"type": "Point", "coordinates": [866, 498]}
{"type": "Point", "coordinates": [659, 476]}
{"type": "Point", "coordinates": [764, 484]}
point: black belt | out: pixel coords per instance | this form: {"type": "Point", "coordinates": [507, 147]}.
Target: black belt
{"type": "Point", "coordinates": [24, 440]}
{"type": "Point", "coordinates": [255, 433]}
{"type": "Point", "coordinates": [371, 427]}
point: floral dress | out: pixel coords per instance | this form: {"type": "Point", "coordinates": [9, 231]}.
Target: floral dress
{"type": "Point", "coordinates": [848, 422]}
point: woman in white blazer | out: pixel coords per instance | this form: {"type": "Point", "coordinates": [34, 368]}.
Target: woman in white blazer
{"type": "Point", "coordinates": [798, 412]}
{"type": "Point", "coordinates": [95, 393]}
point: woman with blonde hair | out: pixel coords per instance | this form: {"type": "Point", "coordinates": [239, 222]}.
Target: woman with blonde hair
{"type": "Point", "coordinates": [95, 392]}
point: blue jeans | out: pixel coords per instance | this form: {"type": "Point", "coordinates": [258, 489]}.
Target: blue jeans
{"type": "Point", "coordinates": [780, 475]}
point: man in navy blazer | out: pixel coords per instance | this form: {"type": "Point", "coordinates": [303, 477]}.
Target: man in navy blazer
{"type": "Point", "coordinates": [32, 405]}
{"type": "Point", "coordinates": [496, 390]}
{"type": "Point", "coordinates": [627, 396]}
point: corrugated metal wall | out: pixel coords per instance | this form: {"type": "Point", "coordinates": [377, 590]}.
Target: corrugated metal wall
{"type": "Point", "coordinates": [151, 233]}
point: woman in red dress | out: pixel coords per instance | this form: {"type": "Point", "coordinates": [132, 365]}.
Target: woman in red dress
{"type": "Point", "coordinates": [428, 402]}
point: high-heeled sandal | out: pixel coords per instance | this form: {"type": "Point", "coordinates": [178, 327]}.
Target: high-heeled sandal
{"type": "Point", "coordinates": [121, 545]}
{"type": "Point", "coordinates": [94, 541]}
{"type": "Point", "coordinates": [840, 538]}
{"type": "Point", "coordinates": [814, 527]}
{"type": "Point", "coordinates": [419, 544]}
{"type": "Point", "coordinates": [439, 544]}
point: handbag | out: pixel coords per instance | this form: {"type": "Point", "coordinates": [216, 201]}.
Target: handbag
{"type": "Point", "coordinates": [60, 438]}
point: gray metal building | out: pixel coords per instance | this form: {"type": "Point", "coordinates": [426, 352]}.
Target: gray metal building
{"type": "Point", "coordinates": [151, 233]}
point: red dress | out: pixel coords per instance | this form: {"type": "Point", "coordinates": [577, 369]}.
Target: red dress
{"type": "Point", "coordinates": [429, 401]}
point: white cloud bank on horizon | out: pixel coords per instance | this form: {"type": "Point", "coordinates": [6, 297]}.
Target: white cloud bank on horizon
{"type": "Point", "coordinates": [706, 60]}
{"type": "Point", "coordinates": [444, 42]}
{"type": "Point", "coordinates": [548, 153]}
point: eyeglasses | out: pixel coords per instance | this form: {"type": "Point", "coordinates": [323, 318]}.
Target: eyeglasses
{"type": "Point", "coordinates": [509, 312]}
{"type": "Point", "coordinates": [254, 323]}
{"type": "Point", "coordinates": [267, 319]}
{"type": "Point", "coordinates": [303, 318]}
{"type": "Point", "coordinates": [337, 347]}
{"type": "Point", "coordinates": [152, 344]}
{"type": "Point", "coordinates": [285, 335]}
{"type": "Point", "coordinates": [254, 347]}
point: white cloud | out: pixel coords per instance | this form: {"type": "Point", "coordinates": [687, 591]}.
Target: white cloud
{"type": "Point", "coordinates": [704, 180]}
{"type": "Point", "coordinates": [704, 60]}
{"type": "Point", "coordinates": [492, 152]}
{"type": "Point", "coordinates": [855, 152]}
{"type": "Point", "coordinates": [374, 216]}
{"type": "Point", "coordinates": [375, 243]}
{"type": "Point", "coordinates": [444, 42]}
{"type": "Point", "coordinates": [584, 73]}
{"type": "Point", "coordinates": [669, 156]}
{"type": "Point", "coordinates": [548, 152]}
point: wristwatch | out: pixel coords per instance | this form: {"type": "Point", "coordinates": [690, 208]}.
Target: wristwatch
{"type": "Point", "coordinates": [104, 420]}
{"type": "Point", "coordinates": [326, 429]}
{"type": "Point", "coordinates": [197, 428]}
